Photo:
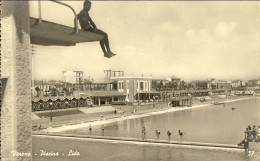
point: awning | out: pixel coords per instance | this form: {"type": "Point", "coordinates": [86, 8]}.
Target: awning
{"type": "Point", "coordinates": [151, 92]}
{"type": "Point", "coordinates": [180, 98]}
{"type": "Point", "coordinates": [105, 93]}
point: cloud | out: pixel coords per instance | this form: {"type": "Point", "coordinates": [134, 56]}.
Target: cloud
{"type": "Point", "coordinates": [169, 26]}
{"type": "Point", "coordinates": [223, 29]}
{"type": "Point", "coordinates": [190, 33]}
{"type": "Point", "coordinates": [198, 39]}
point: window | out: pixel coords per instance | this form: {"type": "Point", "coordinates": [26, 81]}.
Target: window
{"type": "Point", "coordinates": [120, 85]}
{"type": "Point", "coordinates": [141, 86]}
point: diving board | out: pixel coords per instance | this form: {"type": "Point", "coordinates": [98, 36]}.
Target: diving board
{"type": "Point", "coordinates": [48, 33]}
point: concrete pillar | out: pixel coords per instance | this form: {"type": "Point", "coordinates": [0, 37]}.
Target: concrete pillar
{"type": "Point", "coordinates": [98, 100]}
{"type": "Point", "coordinates": [15, 61]}
{"type": "Point", "coordinates": [138, 99]}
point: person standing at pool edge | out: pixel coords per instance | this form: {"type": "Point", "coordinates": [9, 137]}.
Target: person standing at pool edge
{"type": "Point", "coordinates": [143, 133]}
{"type": "Point", "coordinates": [102, 130]}
{"type": "Point", "coordinates": [90, 129]}
{"type": "Point", "coordinates": [169, 134]}
{"type": "Point", "coordinates": [157, 134]}
{"type": "Point", "coordinates": [87, 24]}
{"type": "Point", "coordinates": [181, 134]}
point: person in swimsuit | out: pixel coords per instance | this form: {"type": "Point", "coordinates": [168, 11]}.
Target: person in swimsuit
{"type": "Point", "coordinates": [90, 129]}
{"type": "Point", "coordinates": [258, 134]}
{"type": "Point", "coordinates": [143, 133]}
{"type": "Point", "coordinates": [87, 24]}
{"type": "Point", "coordinates": [102, 130]}
{"type": "Point", "coordinates": [181, 134]}
{"type": "Point", "coordinates": [169, 134]}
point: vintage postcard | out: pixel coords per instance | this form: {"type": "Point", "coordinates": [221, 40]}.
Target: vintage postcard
{"type": "Point", "coordinates": [130, 80]}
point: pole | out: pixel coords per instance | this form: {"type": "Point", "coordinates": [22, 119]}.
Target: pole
{"type": "Point", "coordinates": [51, 112]}
{"type": "Point", "coordinates": [133, 92]}
{"type": "Point", "coordinates": [32, 67]}
{"type": "Point", "coordinates": [138, 100]}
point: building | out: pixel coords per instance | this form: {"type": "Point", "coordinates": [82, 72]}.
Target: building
{"type": "Point", "coordinates": [237, 83]}
{"type": "Point", "coordinates": [219, 84]}
{"type": "Point", "coordinates": [252, 88]}
{"type": "Point", "coordinates": [135, 87]}
{"type": "Point", "coordinates": [74, 77]}
{"type": "Point", "coordinates": [159, 84]}
{"type": "Point", "coordinates": [101, 97]}
{"type": "Point", "coordinates": [255, 82]}
{"type": "Point", "coordinates": [198, 84]}
{"type": "Point", "coordinates": [49, 88]}
{"type": "Point", "coordinates": [168, 85]}
{"type": "Point", "coordinates": [176, 82]}
{"type": "Point", "coordinates": [253, 85]}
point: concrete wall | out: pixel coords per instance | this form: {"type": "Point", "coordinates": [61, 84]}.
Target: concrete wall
{"type": "Point", "coordinates": [16, 104]}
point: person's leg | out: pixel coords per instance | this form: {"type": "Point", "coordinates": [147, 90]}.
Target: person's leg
{"type": "Point", "coordinates": [106, 41]}
{"type": "Point", "coordinates": [101, 42]}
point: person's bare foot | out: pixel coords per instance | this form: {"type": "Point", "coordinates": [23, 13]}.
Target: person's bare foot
{"type": "Point", "coordinates": [112, 54]}
{"type": "Point", "coordinates": [107, 55]}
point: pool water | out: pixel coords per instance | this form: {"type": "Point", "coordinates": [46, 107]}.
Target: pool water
{"type": "Point", "coordinates": [211, 124]}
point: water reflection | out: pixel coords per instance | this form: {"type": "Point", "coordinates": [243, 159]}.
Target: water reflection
{"type": "Point", "coordinates": [143, 153]}
{"type": "Point", "coordinates": [102, 151]}
{"type": "Point", "coordinates": [169, 155]}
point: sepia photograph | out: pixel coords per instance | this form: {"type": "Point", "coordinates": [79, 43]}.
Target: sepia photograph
{"type": "Point", "coordinates": [123, 80]}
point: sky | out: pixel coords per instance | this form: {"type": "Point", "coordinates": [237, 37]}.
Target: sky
{"type": "Point", "coordinates": [192, 40]}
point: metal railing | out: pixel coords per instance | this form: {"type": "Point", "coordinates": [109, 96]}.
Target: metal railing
{"type": "Point", "coordinates": [64, 4]}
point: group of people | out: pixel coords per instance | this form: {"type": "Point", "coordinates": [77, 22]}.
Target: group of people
{"type": "Point", "coordinates": [253, 133]}
{"type": "Point", "coordinates": [119, 111]}
{"type": "Point", "coordinates": [157, 133]}
{"type": "Point", "coordinates": [36, 128]}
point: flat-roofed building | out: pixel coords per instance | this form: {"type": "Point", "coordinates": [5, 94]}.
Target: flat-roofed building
{"type": "Point", "coordinates": [135, 87]}
{"type": "Point", "coordinates": [254, 82]}
{"type": "Point", "coordinates": [237, 83]}
{"type": "Point", "coordinates": [74, 77]}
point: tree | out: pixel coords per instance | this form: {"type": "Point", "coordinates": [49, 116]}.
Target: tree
{"type": "Point", "coordinates": [38, 91]}
{"type": "Point", "coordinates": [53, 91]}
{"type": "Point", "coordinates": [65, 90]}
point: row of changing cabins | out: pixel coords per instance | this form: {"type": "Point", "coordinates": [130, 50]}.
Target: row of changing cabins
{"type": "Point", "coordinates": [176, 98]}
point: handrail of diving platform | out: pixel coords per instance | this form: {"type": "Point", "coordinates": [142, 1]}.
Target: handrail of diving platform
{"type": "Point", "coordinates": [64, 4]}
